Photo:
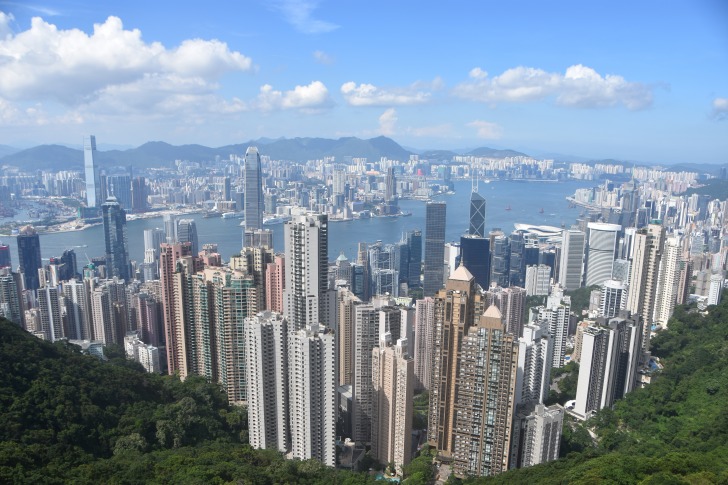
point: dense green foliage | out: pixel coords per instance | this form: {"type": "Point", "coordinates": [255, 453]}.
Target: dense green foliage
{"type": "Point", "coordinates": [714, 188]}
{"type": "Point", "coordinates": [67, 417]}
{"type": "Point", "coordinates": [673, 431]}
{"type": "Point", "coordinates": [580, 298]}
{"type": "Point", "coordinates": [566, 378]}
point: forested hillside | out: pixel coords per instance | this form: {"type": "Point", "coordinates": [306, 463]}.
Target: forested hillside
{"type": "Point", "coordinates": [673, 431]}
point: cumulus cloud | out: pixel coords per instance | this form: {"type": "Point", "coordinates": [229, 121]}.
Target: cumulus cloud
{"type": "Point", "coordinates": [111, 68]}
{"type": "Point", "coordinates": [720, 109]}
{"type": "Point", "coordinates": [580, 86]}
{"type": "Point", "coordinates": [486, 129]}
{"type": "Point", "coordinates": [5, 29]}
{"type": "Point", "coordinates": [312, 97]}
{"type": "Point", "coordinates": [388, 122]}
{"type": "Point", "coordinates": [323, 58]}
{"type": "Point", "coordinates": [299, 13]}
{"type": "Point", "coordinates": [371, 95]}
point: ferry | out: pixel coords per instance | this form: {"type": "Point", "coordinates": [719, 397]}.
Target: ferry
{"type": "Point", "coordinates": [269, 221]}
{"type": "Point", "coordinates": [233, 215]}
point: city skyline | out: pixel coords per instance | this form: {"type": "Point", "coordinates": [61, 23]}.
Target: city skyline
{"type": "Point", "coordinates": [297, 71]}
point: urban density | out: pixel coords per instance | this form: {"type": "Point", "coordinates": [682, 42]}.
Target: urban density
{"type": "Point", "coordinates": [328, 355]}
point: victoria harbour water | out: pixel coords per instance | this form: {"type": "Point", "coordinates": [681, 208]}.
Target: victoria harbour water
{"type": "Point", "coordinates": [539, 203]}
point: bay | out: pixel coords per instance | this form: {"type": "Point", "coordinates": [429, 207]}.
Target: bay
{"type": "Point", "coordinates": [538, 203]}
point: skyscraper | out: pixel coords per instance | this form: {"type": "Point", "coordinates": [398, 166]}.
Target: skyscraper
{"type": "Point", "coordinates": [424, 329]}
{"type": "Point", "coordinates": [475, 255]}
{"type": "Point", "coordinates": [306, 296]}
{"type": "Point", "coordinates": [10, 306]}
{"type": "Point", "coordinates": [170, 228]}
{"type": "Point", "coordinates": [187, 232]}
{"type": "Point", "coordinates": [253, 190]}
{"type": "Point", "coordinates": [366, 338]}
{"type": "Point", "coordinates": [477, 215]}
{"type": "Point", "coordinates": [4, 256]}
{"type": "Point", "coordinates": [414, 243]}
{"type": "Point", "coordinates": [50, 313]}
{"type": "Point", "coordinates": [484, 403]}
{"type": "Point", "coordinates": [117, 253]}
{"type": "Point", "coordinates": [643, 285]}
{"type": "Point", "coordinates": [435, 221]}
{"type": "Point", "coordinates": [29, 256]}
{"type": "Point", "coordinates": [120, 187]}
{"type": "Point", "coordinates": [614, 298]}
{"type": "Point", "coordinates": [500, 255]}
{"type": "Point", "coordinates": [601, 252]}
{"type": "Point", "coordinates": [669, 281]}
{"type": "Point", "coordinates": [455, 308]}
{"type": "Point", "coordinates": [139, 195]}
{"type": "Point", "coordinates": [266, 353]}
{"type": "Point", "coordinates": [572, 259]}
{"type": "Point", "coordinates": [312, 394]}
{"type": "Point", "coordinates": [392, 385]}
{"type": "Point", "coordinates": [93, 188]}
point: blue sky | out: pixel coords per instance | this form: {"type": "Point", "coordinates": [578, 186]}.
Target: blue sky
{"type": "Point", "coordinates": [643, 80]}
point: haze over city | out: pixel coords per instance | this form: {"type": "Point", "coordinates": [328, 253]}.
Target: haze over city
{"type": "Point", "coordinates": [642, 81]}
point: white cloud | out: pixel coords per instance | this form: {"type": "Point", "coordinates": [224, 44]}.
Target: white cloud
{"type": "Point", "coordinates": [299, 13]}
{"type": "Point", "coordinates": [720, 109]}
{"type": "Point", "coordinates": [579, 86]}
{"type": "Point", "coordinates": [73, 68]}
{"type": "Point", "coordinates": [388, 122]}
{"type": "Point", "coordinates": [486, 129]}
{"type": "Point", "coordinates": [312, 97]}
{"type": "Point", "coordinates": [323, 58]}
{"type": "Point", "coordinates": [5, 29]}
{"type": "Point", "coordinates": [371, 95]}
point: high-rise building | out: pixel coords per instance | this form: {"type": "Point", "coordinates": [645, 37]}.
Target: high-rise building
{"type": "Point", "coordinates": [517, 260]}
{"type": "Point", "coordinates": [253, 190]}
{"type": "Point", "coordinates": [643, 285]}
{"type": "Point", "coordinates": [500, 254]}
{"type": "Point", "coordinates": [477, 215]}
{"type": "Point", "coordinates": [78, 309]}
{"type": "Point", "coordinates": [601, 252]}
{"type": "Point", "coordinates": [554, 316]}
{"type": "Point", "coordinates": [170, 257]}
{"type": "Point", "coordinates": [685, 278]}
{"type": "Point", "coordinates": [258, 238]}
{"type": "Point", "coordinates": [347, 303]}
{"type": "Point", "coordinates": [266, 352]}
{"type": "Point", "coordinates": [484, 400]}
{"type": "Point", "coordinates": [275, 278]}
{"type": "Point", "coordinates": [4, 256]}
{"type": "Point", "coordinates": [535, 355]}
{"type": "Point", "coordinates": [538, 279]}
{"type": "Point", "coordinates": [187, 232]}
{"type": "Point", "coordinates": [614, 298]}
{"type": "Point", "coordinates": [512, 303]}
{"type": "Point", "coordinates": [365, 337]}
{"type": "Point", "coordinates": [120, 187]}
{"type": "Point", "coordinates": [610, 352]}
{"type": "Point", "coordinates": [29, 256]}
{"type": "Point", "coordinates": [572, 258]}
{"type": "Point", "coordinates": [312, 394]}
{"type": "Point", "coordinates": [117, 252]}
{"type": "Point", "coordinates": [306, 297]}
{"type": "Point", "coordinates": [152, 239]}
{"type": "Point", "coordinates": [414, 245]}
{"type": "Point", "coordinates": [435, 223]}
{"type": "Point", "coordinates": [10, 290]}
{"type": "Point", "coordinates": [715, 289]}
{"type": "Point", "coordinates": [170, 228]}
{"type": "Point", "coordinates": [68, 269]}
{"type": "Point", "coordinates": [475, 255]}
{"type": "Point", "coordinates": [669, 281]}
{"type": "Point", "coordinates": [139, 195]}
{"type": "Point", "coordinates": [424, 329]}
{"type": "Point", "coordinates": [392, 386]}
{"type": "Point", "coordinates": [540, 435]}
{"type": "Point", "coordinates": [93, 186]}
{"type": "Point", "coordinates": [102, 315]}
{"type": "Point", "coordinates": [455, 308]}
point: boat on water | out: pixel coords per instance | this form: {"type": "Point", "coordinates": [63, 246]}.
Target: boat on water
{"type": "Point", "coordinates": [508, 208]}
{"type": "Point", "coordinates": [210, 215]}
{"type": "Point", "coordinates": [541, 211]}
{"type": "Point", "coordinates": [233, 215]}
{"type": "Point", "coordinates": [270, 221]}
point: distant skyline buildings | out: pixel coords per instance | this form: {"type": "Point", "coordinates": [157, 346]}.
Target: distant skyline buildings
{"type": "Point", "coordinates": [93, 186]}
{"type": "Point", "coordinates": [435, 222]}
{"type": "Point", "coordinates": [253, 190]}
{"type": "Point", "coordinates": [115, 237]}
